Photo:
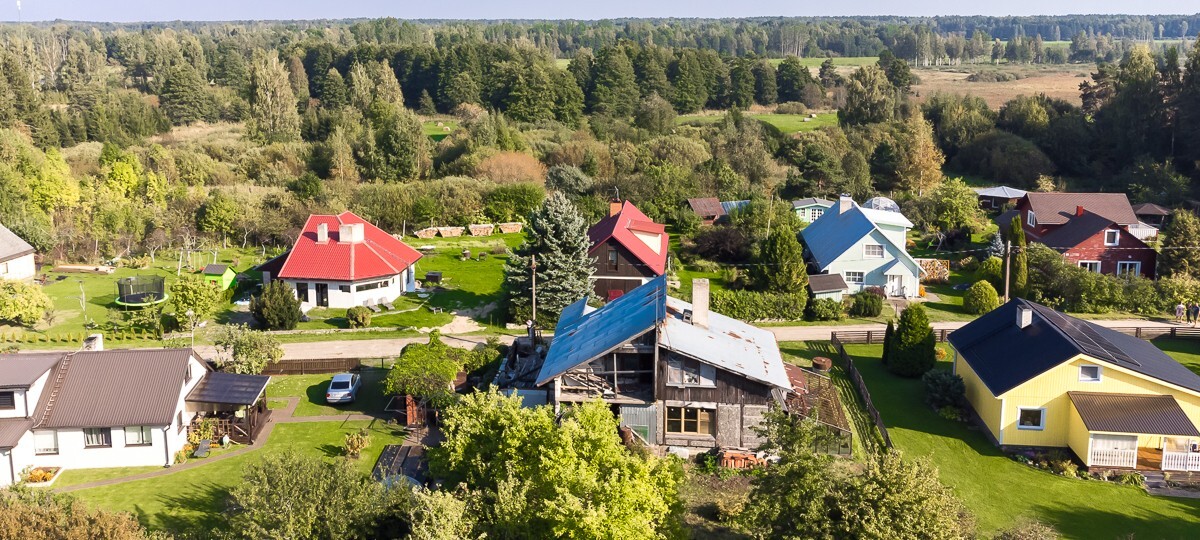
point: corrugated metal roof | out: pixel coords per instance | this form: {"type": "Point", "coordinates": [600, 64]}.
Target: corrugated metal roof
{"type": "Point", "coordinates": [215, 269]}
{"type": "Point", "coordinates": [1001, 192]}
{"type": "Point", "coordinates": [22, 370]}
{"type": "Point", "coordinates": [1133, 413]}
{"type": "Point", "coordinates": [820, 283]}
{"type": "Point", "coordinates": [730, 206]}
{"type": "Point", "coordinates": [378, 255]}
{"type": "Point", "coordinates": [811, 201]}
{"type": "Point", "coordinates": [707, 207]}
{"type": "Point", "coordinates": [1057, 208]}
{"type": "Point", "coordinates": [579, 339]}
{"type": "Point", "coordinates": [836, 231]}
{"type": "Point", "coordinates": [620, 227]}
{"type": "Point", "coordinates": [727, 343]}
{"type": "Point", "coordinates": [1005, 356]}
{"type": "Point", "coordinates": [12, 429]}
{"type": "Point", "coordinates": [118, 388]}
{"type": "Point", "coordinates": [229, 388]}
{"type": "Point", "coordinates": [11, 245]}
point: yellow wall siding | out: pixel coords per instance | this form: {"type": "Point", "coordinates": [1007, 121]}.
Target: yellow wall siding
{"type": "Point", "coordinates": [1078, 437]}
{"type": "Point", "coordinates": [1049, 390]}
{"type": "Point", "coordinates": [985, 404]}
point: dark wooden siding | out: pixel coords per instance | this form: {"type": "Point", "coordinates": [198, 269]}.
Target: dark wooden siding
{"type": "Point", "coordinates": [627, 266]}
{"type": "Point", "coordinates": [731, 388]}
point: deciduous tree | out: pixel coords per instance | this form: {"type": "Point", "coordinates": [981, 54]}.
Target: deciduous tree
{"type": "Point", "coordinates": [246, 351]}
{"type": "Point", "coordinates": [22, 303]}
{"type": "Point", "coordinates": [273, 116]}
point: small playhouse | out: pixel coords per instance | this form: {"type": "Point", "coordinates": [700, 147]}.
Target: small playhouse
{"type": "Point", "coordinates": [220, 275]}
{"type": "Point", "coordinates": [141, 291]}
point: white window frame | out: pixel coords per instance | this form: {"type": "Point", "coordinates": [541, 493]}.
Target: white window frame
{"type": "Point", "coordinates": [1041, 424]}
{"type": "Point", "coordinates": [139, 436]}
{"type": "Point", "coordinates": [104, 435]}
{"type": "Point", "coordinates": [867, 255]}
{"type": "Point", "coordinates": [1085, 379]}
{"type": "Point", "coordinates": [1116, 237]}
{"type": "Point", "coordinates": [862, 277]}
{"type": "Point", "coordinates": [39, 438]}
{"type": "Point", "coordinates": [1083, 263]}
{"type": "Point", "coordinates": [1137, 267]}
{"type": "Point", "coordinates": [1031, 219]}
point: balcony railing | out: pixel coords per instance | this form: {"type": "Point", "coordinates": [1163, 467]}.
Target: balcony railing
{"type": "Point", "coordinates": [1181, 461]}
{"type": "Point", "coordinates": [1113, 458]}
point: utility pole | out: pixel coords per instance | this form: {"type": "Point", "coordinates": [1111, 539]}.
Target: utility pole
{"type": "Point", "coordinates": [1007, 266]}
{"type": "Point", "coordinates": [533, 274]}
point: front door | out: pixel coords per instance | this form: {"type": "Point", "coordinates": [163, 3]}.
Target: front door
{"type": "Point", "coordinates": [895, 285]}
{"type": "Point", "coordinates": [323, 294]}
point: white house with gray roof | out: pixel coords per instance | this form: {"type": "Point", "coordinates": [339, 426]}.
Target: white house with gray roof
{"type": "Point", "coordinates": [16, 256]}
{"type": "Point", "coordinates": [866, 246]}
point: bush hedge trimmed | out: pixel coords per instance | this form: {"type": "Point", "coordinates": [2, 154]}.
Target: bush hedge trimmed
{"type": "Point", "coordinates": [981, 298]}
{"type": "Point", "coordinates": [759, 306]}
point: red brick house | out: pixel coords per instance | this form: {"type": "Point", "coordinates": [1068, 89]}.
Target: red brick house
{"type": "Point", "coordinates": [629, 248]}
{"type": "Point", "coordinates": [1089, 229]}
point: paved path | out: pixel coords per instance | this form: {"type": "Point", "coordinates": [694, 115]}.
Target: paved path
{"type": "Point", "coordinates": [807, 333]}
{"type": "Point", "coordinates": [278, 416]}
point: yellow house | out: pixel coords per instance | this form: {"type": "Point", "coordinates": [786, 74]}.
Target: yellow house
{"type": "Point", "coordinates": [1039, 378]}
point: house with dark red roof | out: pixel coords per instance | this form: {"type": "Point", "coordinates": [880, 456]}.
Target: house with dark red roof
{"type": "Point", "coordinates": [342, 261]}
{"type": "Point", "coordinates": [1095, 231]}
{"type": "Point", "coordinates": [629, 249]}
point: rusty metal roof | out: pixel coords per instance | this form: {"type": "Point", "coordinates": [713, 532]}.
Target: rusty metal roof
{"type": "Point", "coordinates": [727, 343]}
{"type": "Point", "coordinates": [116, 388]}
{"type": "Point", "coordinates": [1146, 414]}
{"type": "Point", "coordinates": [22, 370]}
{"type": "Point", "coordinates": [707, 207]}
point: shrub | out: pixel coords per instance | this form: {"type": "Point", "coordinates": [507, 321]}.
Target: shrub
{"type": "Point", "coordinates": [912, 348]}
{"type": "Point", "coordinates": [866, 304]}
{"type": "Point", "coordinates": [950, 413]}
{"type": "Point", "coordinates": [992, 271]}
{"type": "Point", "coordinates": [726, 244]}
{"type": "Point", "coordinates": [981, 298]}
{"type": "Point", "coordinates": [510, 167]}
{"type": "Point", "coordinates": [277, 308]}
{"type": "Point", "coordinates": [944, 389]}
{"type": "Point", "coordinates": [1005, 158]}
{"type": "Point", "coordinates": [358, 317]}
{"type": "Point", "coordinates": [760, 306]}
{"type": "Point", "coordinates": [791, 107]}
{"type": "Point", "coordinates": [1131, 479]}
{"type": "Point", "coordinates": [357, 442]}
{"type": "Point", "coordinates": [824, 309]}
{"type": "Point", "coordinates": [1030, 530]}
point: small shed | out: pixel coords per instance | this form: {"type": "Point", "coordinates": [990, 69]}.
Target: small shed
{"type": "Point", "coordinates": [998, 196]}
{"type": "Point", "coordinates": [220, 274]}
{"type": "Point", "coordinates": [827, 286]}
{"type": "Point", "coordinates": [708, 209]}
{"type": "Point", "coordinates": [1151, 214]}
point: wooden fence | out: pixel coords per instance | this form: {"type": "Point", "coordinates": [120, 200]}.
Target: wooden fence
{"type": "Point", "coordinates": [875, 337]}
{"type": "Point", "coordinates": [856, 377]}
{"type": "Point", "coordinates": [312, 366]}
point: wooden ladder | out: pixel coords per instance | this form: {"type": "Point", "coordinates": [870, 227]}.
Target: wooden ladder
{"type": "Point", "coordinates": [58, 382]}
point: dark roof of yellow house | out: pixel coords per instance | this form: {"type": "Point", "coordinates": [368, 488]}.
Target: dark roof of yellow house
{"type": "Point", "coordinates": [1133, 413]}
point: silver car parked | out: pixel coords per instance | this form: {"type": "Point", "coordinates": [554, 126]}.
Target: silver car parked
{"type": "Point", "coordinates": [343, 388]}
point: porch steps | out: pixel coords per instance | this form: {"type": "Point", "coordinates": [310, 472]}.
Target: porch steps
{"type": "Point", "coordinates": [1154, 479]}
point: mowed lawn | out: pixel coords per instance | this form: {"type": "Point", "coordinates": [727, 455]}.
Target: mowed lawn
{"type": "Point", "coordinates": [311, 391]}
{"type": "Point", "coordinates": [786, 123]}
{"type": "Point", "coordinates": [192, 500]}
{"type": "Point", "coordinates": [1000, 491]}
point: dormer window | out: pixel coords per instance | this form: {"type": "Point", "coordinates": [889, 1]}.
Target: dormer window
{"type": "Point", "coordinates": [1112, 237]}
{"type": "Point", "coordinates": [1031, 219]}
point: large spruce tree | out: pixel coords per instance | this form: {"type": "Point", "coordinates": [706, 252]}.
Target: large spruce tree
{"type": "Point", "coordinates": [558, 239]}
{"type": "Point", "coordinates": [183, 96]}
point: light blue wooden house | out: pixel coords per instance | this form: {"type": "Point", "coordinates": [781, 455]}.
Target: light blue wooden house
{"type": "Point", "coordinates": [865, 246]}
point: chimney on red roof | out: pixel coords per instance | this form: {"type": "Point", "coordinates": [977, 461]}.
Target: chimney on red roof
{"type": "Point", "coordinates": [322, 233]}
{"type": "Point", "coordinates": [351, 233]}
{"type": "Point", "coordinates": [614, 207]}
{"type": "Point", "coordinates": [1078, 211]}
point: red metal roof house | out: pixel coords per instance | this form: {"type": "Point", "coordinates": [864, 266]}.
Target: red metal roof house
{"type": "Point", "coordinates": [629, 248]}
{"type": "Point", "coordinates": [343, 261]}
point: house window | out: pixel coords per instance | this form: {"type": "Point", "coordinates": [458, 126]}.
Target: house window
{"type": "Point", "coordinates": [97, 437]}
{"type": "Point", "coordinates": [302, 291]}
{"type": "Point", "coordinates": [1031, 418]}
{"type": "Point", "coordinates": [817, 213]}
{"type": "Point", "coordinates": [872, 251]}
{"type": "Point", "coordinates": [8, 400]}
{"type": "Point", "coordinates": [370, 286]}
{"type": "Point", "coordinates": [688, 372]}
{"type": "Point", "coordinates": [854, 278]}
{"type": "Point", "coordinates": [1089, 373]}
{"type": "Point", "coordinates": [344, 288]}
{"type": "Point", "coordinates": [1132, 268]}
{"type": "Point", "coordinates": [1031, 219]}
{"type": "Point", "coordinates": [187, 373]}
{"type": "Point", "coordinates": [690, 421]}
{"type": "Point", "coordinates": [1112, 238]}
{"type": "Point", "coordinates": [1090, 266]}
{"type": "Point", "coordinates": [179, 417]}
{"type": "Point", "coordinates": [138, 436]}
{"type": "Point", "coordinates": [612, 259]}
{"type": "Point", "coordinates": [45, 442]}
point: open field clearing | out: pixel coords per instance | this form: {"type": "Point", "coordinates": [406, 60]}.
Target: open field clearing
{"type": "Point", "coordinates": [1059, 82]}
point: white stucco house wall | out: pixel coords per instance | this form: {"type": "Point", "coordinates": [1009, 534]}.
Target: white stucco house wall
{"type": "Point", "coordinates": [98, 409]}
{"type": "Point", "coordinates": [16, 257]}
{"type": "Point", "coordinates": [341, 261]}
{"type": "Point", "coordinates": [865, 246]}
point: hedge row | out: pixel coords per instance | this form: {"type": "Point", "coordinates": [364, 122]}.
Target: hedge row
{"type": "Point", "coordinates": [759, 306]}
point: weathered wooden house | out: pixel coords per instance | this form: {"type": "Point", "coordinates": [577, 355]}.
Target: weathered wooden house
{"type": "Point", "coordinates": [629, 249]}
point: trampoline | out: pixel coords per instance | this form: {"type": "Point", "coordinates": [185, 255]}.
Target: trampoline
{"type": "Point", "coordinates": [141, 291]}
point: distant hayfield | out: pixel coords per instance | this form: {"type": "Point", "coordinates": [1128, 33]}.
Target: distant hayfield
{"type": "Point", "coordinates": [1061, 82]}
{"type": "Point", "coordinates": [200, 132]}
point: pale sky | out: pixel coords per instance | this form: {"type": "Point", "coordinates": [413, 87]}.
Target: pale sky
{"type": "Point", "coordinates": [225, 10]}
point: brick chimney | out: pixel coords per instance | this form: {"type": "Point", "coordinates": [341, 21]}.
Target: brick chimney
{"type": "Point", "coordinates": [322, 233]}
{"type": "Point", "coordinates": [844, 204]}
{"type": "Point", "coordinates": [1078, 211]}
{"type": "Point", "coordinates": [614, 207]}
{"type": "Point", "coordinates": [700, 302]}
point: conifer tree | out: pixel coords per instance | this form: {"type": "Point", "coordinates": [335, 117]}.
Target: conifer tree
{"type": "Point", "coordinates": [782, 267]}
{"type": "Point", "coordinates": [273, 115]}
{"type": "Point", "coordinates": [614, 87]}
{"type": "Point", "coordinates": [1176, 259]}
{"type": "Point", "coordinates": [425, 104]}
{"type": "Point", "coordinates": [1019, 276]}
{"type": "Point", "coordinates": [888, 333]}
{"type": "Point", "coordinates": [331, 90]}
{"type": "Point", "coordinates": [912, 347]}
{"type": "Point", "coordinates": [183, 96]}
{"type": "Point", "coordinates": [558, 239]}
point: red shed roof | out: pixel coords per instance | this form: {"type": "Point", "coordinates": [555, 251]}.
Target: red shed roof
{"type": "Point", "coordinates": [337, 259]}
{"type": "Point", "coordinates": [622, 226]}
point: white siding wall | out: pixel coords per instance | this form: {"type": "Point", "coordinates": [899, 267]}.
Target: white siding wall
{"type": "Point", "coordinates": [31, 397]}
{"type": "Point", "coordinates": [400, 284]}
{"type": "Point", "coordinates": [873, 269]}
{"type": "Point", "coordinates": [19, 268]}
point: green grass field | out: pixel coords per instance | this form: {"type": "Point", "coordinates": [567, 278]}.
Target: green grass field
{"type": "Point", "coordinates": [436, 132]}
{"type": "Point", "coordinates": [311, 391]}
{"type": "Point", "coordinates": [787, 123]}
{"type": "Point", "coordinates": [1000, 491]}
{"type": "Point", "coordinates": [192, 500]}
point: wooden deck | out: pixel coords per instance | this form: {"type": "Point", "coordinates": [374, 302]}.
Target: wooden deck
{"type": "Point", "coordinates": [1149, 459]}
